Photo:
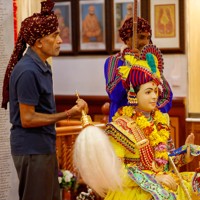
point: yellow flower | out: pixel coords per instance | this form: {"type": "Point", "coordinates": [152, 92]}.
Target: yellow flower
{"type": "Point", "coordinates": [159, 117]}
{"type": "Point", "coordinates": [158, 133]}
{"type": "Point", "coordinates": [142, 122]}
{"type": "Point", "coordinates": [131, 59]}
{"type": "Point", "coordinates": [128, 111]}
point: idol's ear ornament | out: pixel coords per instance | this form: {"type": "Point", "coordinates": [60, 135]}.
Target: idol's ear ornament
{"type": "Point", "coordinates": [132, 96]}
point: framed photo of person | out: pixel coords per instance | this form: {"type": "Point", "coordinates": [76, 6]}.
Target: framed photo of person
{"type": "Point", "coordinates": [167, 22]}
{"type": "Point", "coordinates": [92, 28]}
{"type": "Point", "coordinates": [63, 11]}
{"type": "Point", "coordinates": [122, 10]}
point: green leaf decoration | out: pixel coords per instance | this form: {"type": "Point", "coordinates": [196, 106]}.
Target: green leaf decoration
{"type": "Point", "coordinates": [151, 62]}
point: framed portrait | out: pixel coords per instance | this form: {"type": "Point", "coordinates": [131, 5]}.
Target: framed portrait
{"type": "Point", "coordinates": [92, 28]}
{"type": "Point", "coordinates": [63, 11]}
{"type": "Point", "coordinates": [122, 10]}
{"type": "Point", "coordinates": [167, 22]}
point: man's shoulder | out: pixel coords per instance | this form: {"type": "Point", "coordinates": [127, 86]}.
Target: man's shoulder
{"type": "Point", "coordinates": [30, 62]}
{"type": "Point", "coordinates": [25, 65]}
{"type": "Point", "coordinates": [25, 62]}
{"type": "Point", "coordinates": [115, 56]}
{"type": "Point", "coordinates": [113, 59]}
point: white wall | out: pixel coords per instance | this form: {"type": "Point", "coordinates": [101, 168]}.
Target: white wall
{"type": "Point", "coordinates": [82, 73]}
{"type": "Point", "coordinates": [176, 73]}
{"type": "Point", "coordinates": [86, 74]}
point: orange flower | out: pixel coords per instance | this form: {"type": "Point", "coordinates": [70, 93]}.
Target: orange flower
{"type": "Point", "coordinates": [148, 130]}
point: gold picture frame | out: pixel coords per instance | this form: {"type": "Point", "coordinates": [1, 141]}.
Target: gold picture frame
{"type": "Point", "coordinates": [167, 22]}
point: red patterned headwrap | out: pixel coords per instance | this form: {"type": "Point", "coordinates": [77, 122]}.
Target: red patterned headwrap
{"type": "Point", "coordinates": [32, 28]}
{"type": "Point", "coordinates": [126, 31]}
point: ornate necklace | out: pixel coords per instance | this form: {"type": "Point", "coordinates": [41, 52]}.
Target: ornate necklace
{"type": "Point", "coordinates": [156, 131]}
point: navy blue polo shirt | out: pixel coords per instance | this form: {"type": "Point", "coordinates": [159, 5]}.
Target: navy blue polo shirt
{"type": "Point", "coordinates": [31, 84]}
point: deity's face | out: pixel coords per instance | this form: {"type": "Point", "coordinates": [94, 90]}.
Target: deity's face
{"type": "Point", "coordinates": [91, 10]}
{"type": "Point", "coordinates": [58, 12]}
{"type": "Point", "coordinates": [147, 96]}
{"type": "Point", "coordinates": [129, 8]}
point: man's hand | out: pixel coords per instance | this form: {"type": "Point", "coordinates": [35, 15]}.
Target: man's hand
{"type": "Point", "coordinates": [82, 105]}
{"type": "Point", "coordinates": [77, 109]}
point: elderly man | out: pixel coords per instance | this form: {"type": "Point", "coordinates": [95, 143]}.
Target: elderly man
{"type": "Point", "coordinates": [114, 88]}
{"type": "Point", "coordinates": [28, 88]}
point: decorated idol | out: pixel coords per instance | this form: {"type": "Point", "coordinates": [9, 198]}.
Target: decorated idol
{"type": "Point", "coordinates": [134, 158]}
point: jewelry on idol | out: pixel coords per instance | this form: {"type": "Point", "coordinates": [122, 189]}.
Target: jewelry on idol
{"type": "Point", "coordinates": [132, 97]}
{"type": "Point", "coordinates": [153, 155]}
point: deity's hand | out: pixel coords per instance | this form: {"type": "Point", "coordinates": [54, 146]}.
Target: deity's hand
{"type": "Point", "coordinates": [189, 140]}
{"type": "Point", "coordinates": [167, 180]}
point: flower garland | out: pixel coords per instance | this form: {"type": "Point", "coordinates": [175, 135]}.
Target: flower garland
{"type": "Point", "coordinates": [156, 131]}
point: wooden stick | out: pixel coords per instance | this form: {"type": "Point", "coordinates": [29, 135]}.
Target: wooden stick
{"type": "Point", "coordinates": [86, 120]}
{"type": "Point", "coordinates": [134, 41]}
{"type": "Point", "coordinates": [180, 178]}
{"type": "Point", "coordinates": [77, 95]}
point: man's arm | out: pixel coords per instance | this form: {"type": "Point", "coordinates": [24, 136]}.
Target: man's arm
{"type": "Point", "coordinates": [30, 118]}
